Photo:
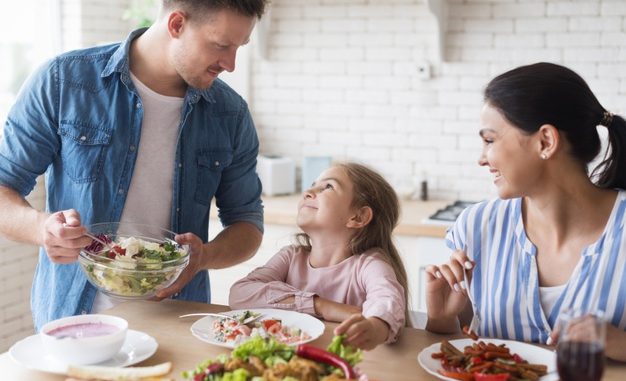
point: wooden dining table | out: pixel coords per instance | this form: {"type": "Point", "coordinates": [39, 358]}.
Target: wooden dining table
{"type": "Point", "coordinates": [176, 344]}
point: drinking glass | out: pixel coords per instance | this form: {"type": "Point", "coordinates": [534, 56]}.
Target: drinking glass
{"type": "Point", "coordinates": [580, 347]}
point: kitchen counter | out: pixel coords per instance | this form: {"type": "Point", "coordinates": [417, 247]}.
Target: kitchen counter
{"type": "Point", "coordinates": [282, 210]}
{"type": "Point", "coordinates": [176, 344]}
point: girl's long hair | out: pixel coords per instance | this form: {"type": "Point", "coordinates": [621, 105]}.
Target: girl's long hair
{"type": "Point", "coordinates": [371, 189]}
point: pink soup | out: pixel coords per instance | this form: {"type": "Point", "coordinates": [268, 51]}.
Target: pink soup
{"type": "Point", "coordinates": [83, 330]}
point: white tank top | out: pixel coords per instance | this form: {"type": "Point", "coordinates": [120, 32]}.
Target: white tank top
{"type": "Point", "coordinates": [149, 198]}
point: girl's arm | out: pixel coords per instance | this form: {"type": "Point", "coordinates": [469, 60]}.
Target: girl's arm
{"type": "Point", "coordinates": [384, 309]}
{"type": "Point", "coordinates": [266, 287]}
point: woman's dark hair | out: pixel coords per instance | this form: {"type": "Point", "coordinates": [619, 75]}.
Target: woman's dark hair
{"type": "Point", "coordinates": [545, 93]}
{"type": "Point", "coordinates": [202, 7]}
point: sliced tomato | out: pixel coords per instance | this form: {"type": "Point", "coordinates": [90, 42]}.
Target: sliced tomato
{"type": "Point", "coordinates": [268, 323]}
{"type": "Point", "coordinates": [463, 376]}
{"type": "Point", "coordinates": [119, 250]}
{"type": "Point", "coordinates": [491, 377]}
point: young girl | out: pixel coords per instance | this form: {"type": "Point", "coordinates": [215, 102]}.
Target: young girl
{"type": "Point", "coordinates": [345, 267]}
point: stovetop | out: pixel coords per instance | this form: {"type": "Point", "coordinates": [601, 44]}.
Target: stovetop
{"type": "Point", "coordinates": [449, 214]}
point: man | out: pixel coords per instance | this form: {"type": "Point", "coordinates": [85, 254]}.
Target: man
{"type": "Point", "coordinates": [141, 131]}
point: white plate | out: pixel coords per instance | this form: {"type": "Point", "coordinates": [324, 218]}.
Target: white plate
{"type": "Point", "coordinates": [203, 328]}
{"type": "Point", "coordinates": [531, 353]}
{"type": "Point", "coordinates": [30, 353]}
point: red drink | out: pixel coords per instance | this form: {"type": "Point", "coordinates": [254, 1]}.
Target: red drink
{"type": "Point", "coordinates": [580, 361]}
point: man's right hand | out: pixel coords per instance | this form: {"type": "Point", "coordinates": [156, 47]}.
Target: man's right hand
{"type": "Point", "coordinates": [64, 236]}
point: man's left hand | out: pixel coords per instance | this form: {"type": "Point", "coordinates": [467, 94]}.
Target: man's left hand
{"type": "Point", "coordinates": [196, 259]}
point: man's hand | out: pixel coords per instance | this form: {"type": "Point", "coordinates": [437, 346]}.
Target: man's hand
{"type": "Point", "coordinates": [364, 333]}
{"type": "Point", "coordinates": [63, 236]}
{"type": "Point", "coordinates": [196, 264]}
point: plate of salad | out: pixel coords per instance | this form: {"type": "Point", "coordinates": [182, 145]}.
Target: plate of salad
{"type": "Point", "coordinates": [267, 359]}
{"type": "Point", "coordinates": [286, 327]}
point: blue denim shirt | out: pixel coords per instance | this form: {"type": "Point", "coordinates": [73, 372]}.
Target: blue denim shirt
{"type": "Point", "coordinates": [78, 119]}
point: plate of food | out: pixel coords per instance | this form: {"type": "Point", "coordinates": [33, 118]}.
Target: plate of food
{"type": "Point", "coordinates": [490, 359]}
{"type": "Point", "coordinates": [30, 353]}
{"type": "Point", "coordinates": [267, 359]}
{"type": "Point", "coordinates": [287, 327]}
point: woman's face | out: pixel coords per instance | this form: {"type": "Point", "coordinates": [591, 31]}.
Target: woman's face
{"type": "Point", "coordinates": [507, 152]}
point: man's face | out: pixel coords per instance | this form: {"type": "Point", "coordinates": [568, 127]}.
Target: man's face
{"type": "Point", "coordinates": [204, 48]}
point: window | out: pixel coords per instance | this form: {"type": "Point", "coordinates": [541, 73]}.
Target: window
{"type": "Point", "coordinates": [30, 34]}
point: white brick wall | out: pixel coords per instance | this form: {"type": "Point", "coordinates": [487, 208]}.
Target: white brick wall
{"type": "Point", "coordinates": [341, 78]}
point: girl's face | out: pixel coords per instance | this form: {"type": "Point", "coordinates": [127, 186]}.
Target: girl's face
{"type": "Point", "coordinates": [508, 154]}
{"type": "Point", "coordinates": [327, 204]}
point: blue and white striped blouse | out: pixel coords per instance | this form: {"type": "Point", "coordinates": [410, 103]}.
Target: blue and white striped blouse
{"type": "Point", "coordinates": [505, 282]}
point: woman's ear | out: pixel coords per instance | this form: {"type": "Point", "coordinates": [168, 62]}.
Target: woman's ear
{"type": "Point", "coordinates": [362, 217]}
{"type": "Point", "coordinates": [549, 140]}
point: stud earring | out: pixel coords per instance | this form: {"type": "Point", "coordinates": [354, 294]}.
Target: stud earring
{"type": "Point", "coordinates": [543, 156]}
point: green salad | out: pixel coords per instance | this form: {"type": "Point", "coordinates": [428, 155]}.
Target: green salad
{"type": "Point", "coordinates": [262, 359]}
{"type": "Point", "coordinates": [133, 267]}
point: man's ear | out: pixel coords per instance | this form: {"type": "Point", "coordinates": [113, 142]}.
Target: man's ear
{"type": "Point", "coordinates": [549, 140]}
{"type": "Point", "coordinates": [361, 218]}
{"type": "Point", "coordinates": [175, 23]}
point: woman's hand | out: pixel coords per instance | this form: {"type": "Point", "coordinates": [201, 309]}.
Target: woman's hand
{"type": "Point", "coordinates": [196, 264]}
{"type": "Point", "coordinates": [446, 292]}
{"type": "Point", "coordinates": [364, 333]}
{"type": "Point", "coordinates": [63, 236]}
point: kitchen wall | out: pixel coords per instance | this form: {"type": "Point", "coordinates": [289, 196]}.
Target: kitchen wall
{"type": "Point", "coordinates": [340, 78]}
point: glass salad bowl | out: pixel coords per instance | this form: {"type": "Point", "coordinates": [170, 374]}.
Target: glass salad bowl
{"type": "Point", "coordinates": [132, 261]}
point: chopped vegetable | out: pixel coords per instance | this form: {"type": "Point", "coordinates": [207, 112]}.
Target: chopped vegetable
{"type": "Point", "coordinates": [318, 354]}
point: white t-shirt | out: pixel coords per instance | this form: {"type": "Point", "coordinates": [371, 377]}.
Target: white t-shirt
{"type": "Point", "coordinates": [149, 198]}
{"type": "Point", "coordinates": [549, 295]}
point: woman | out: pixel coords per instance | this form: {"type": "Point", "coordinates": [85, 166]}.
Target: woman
{"type": "Point", "coordinates": [554, 238]}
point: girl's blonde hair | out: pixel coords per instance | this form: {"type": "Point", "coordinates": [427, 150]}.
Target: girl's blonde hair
{"type": "Point", "coordinates": [371, 189]}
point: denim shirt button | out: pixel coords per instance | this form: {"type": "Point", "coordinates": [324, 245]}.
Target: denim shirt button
{"type": "Point", "coordinates": [217, 163]}
{"type": "Point", "coordinates": [83, 138]}
{"type": "Point", "coordinates": [120, 191]}
{"type": "Point", "coordinates": [180, 165]}
{"type": "Point", "coordinates": [83, 312]}
{"type": "Point", "coordinates": [138, 105]}
{"type": "Point", "coordinates": [131, 148]}
{"type": "Point", "coordinates": [177, 210]}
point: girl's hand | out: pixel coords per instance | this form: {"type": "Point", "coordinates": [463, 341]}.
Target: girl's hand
{"type": "Point", "coordinates": [446, 291]}
{"type": "Point", "coordinates": [363, 333]}
{"type": "Point", "coordinates": [333, 311]}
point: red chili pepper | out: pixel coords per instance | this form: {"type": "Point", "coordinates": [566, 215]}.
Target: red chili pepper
{"type": "Point", "coordinates": [463, 376]}
{"type": "Point", "coordinates": [318, 354]}
{"type": "Point", "coordinates": [491, 377]}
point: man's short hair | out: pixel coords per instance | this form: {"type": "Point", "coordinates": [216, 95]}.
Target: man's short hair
{"type": "Point", "coordinates": [202, 7]}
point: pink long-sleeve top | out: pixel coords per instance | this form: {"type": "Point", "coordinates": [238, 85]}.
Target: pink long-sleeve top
{"type": "Point", "coordinates": [365, 280]}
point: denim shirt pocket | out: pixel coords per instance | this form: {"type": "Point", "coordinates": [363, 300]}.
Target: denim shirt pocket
{"type": "Point", "coordinates": [83, 147]}
{"type": "Point", "coordinates": [210, 167]}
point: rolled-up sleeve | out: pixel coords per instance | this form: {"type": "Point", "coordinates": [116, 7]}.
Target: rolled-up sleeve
{"type": "Point", "coordinates": [266, 287]}
{"type": "Point", "coordinates": [385, 296]}
{"type": "Point", "coordinates": [238, 197]}
{"type": "Point", "coordinates": [29, 139]}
